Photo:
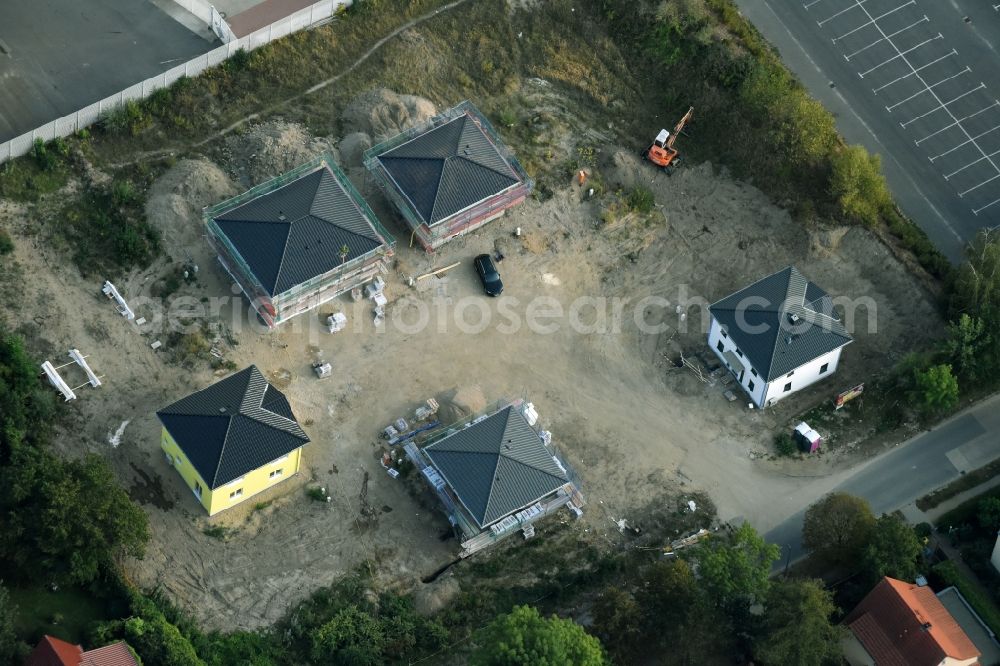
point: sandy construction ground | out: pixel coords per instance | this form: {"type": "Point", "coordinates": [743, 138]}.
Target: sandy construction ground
{"type": "Point", "coordinates": [628, 421]}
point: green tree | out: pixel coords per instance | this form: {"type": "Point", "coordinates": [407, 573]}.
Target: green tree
{"type": "Point", "coordinates": [159, 642]}
{"type": "Point", "coordinates": [352, 637]}
{"type": "Point", "coordinates": [737, 573]}
{"type": "Point", "coordinates": [72, 519]}
{"type": "Point", "coordinates": [975, 288]}
{"type": "Point", "coordinates": [988, 513]}
{"type": "Point", "coordinates": [936, 389]}
{"type": "Point", "coordinates": [971, 348]}
{"type": "Point", "coordinates": [857, 184]}
{"type": "Point", "coordinates": [837, 527]}
{"type": "Point", "coordinates": [26, 410]}
{"type": "Point", "coordinates": [677, 615]}
{"type": "Point", "coordinates": [618, 622]}
{"type": "Point", "coordinates": [892, 551]}
{"type": "Point", "coordinates": [524, 637]}
{"type": "Point", "coordinates": [797, 630]}
{"type": "Point", "coordinates": [11, 649]}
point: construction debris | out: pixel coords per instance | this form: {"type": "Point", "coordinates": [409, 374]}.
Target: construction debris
{"type": "Point", "coordinates": [322, 370]}
{"type": "Point", "coordinates": [52, 372]}
{"type": "Point", "coordinates": [58, 382]}
{"type": "Point", "coordinates": [111, 292]}
{"type": "Point", "coordinates": [438, 271]}
{"type": "Point", "coordinates": [336, 322]}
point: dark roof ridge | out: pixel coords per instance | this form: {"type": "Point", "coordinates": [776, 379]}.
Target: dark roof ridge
{"type": "Point", "coordinates": [749, 286]}
{"type": "Point", "coordinates": [222, 454]}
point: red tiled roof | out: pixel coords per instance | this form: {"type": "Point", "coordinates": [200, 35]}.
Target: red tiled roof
{"type": "Point", "coordinates": [904, 624]}
{"type": "Point", "coordinates": [116, 654]}
{"type": "Point", "coordinates": [51, 651]}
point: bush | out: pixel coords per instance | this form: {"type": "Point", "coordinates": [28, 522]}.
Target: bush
{"type": "Point", "coordinates": [936, 389]}
{"type": "Point", "coordinates": [6, 242]}
{"type": "Point", "coordinates": [316, 493]}
{"type": "Point", "coordinates": [130, 118]}
{"type": "Point", "coordinates": [784, 444]}
{"type": "Point", "coordinates": [857, 184]}
{"type": "Point", "coordinates": [640, 200]}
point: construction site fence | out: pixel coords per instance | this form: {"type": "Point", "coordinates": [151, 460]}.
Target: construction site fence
{"type": "Point", "coordinates": [88, 115]}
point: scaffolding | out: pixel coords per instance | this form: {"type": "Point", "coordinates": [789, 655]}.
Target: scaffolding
{"type": "Point", "coordinates": [277, 308]}
{"type": "Point", "coordinates": [474, 538]}
{"type": "Point", "coordinates": [433, 236]}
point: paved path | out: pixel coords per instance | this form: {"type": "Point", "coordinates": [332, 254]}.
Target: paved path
{"type": "Point", "coordinates": [893, 480]}
{"type": "Point", "coordinates": [914, 81]}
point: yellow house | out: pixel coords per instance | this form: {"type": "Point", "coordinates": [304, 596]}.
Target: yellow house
{"type": "Point", "coordinates": [232, 440]}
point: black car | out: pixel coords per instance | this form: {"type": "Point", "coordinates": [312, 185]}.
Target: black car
{"type": "Point", "coordinates": [489, 275]}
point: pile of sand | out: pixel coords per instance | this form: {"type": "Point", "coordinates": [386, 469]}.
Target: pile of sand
{"type": "Point", "coordinates": [177, 197]}
{"type": "Point", "coordinates": [382, 113]}
{"type": "Point", "coordinates": [271, 149]}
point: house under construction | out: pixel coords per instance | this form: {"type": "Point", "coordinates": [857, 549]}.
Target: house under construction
{"type": "Point", "coordinates": [495, 476]}
{"type": "Point", "coordinates": [449, 175]}
{"type": "Point", "coordinates": [299, 240]}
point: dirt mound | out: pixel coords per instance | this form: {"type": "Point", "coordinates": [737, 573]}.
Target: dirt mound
{"type": "Point", "coordinates": [462, 403]}
{"type": "Point", "coordinates": [825, 242]}
{"type": "Point", "coordinates": [382, 113]}
{"type": "Point", "coordinates": [271, 149]}
{"type": "Point", "coordinates": [177, 197]}
{"type": "Point", "coordinates": [624, 169]}
{"type": "Point", "coordinates": [352, 148]}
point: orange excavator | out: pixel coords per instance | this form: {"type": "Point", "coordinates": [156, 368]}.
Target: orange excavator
{"type": "Point", "coordinates": [662, 152]}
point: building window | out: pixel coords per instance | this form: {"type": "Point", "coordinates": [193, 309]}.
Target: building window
{"type": "Point", "coordinates": [276, 473]}
{"type": "Point", "coordinates": [750, 385]}
{"type": "Point", "coordinates": [720, 347]}
{"type": "Point", "coordinates": [723, 331]}
{"type": "Point", "coordinates": [197, 490]}
{"type": "Point", "coordinates": [753, 372]}
{"type": "Point", "coordinates": [170, 458]}
{"type": "Point", "coordinates": [823, 368]}
{"type": "Point", "coordinates": [788, 387]}
{"type": "Point", "coordinates": [236, 493]}
{"type": "Point", "coordinates": [739, 352]}
{"type": "Point", "coordinates": [177, 460]}
{"type": "Point", "coordinates": [790, 373]}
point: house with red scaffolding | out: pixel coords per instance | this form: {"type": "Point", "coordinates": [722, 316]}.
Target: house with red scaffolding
{"type": "Point", "coordinates": [448, 176]}
{"type": "Point", "coordinates": [299, 240]}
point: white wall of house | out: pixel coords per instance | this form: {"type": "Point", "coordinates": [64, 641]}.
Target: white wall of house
{"type": "Point", "coordinates": [854, 652]}
{"type": "Point", "coordinates": [761, 392]}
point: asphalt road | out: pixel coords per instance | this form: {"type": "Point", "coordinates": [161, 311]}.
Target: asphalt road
{"type": "Point", "coordinates": [57, 56]}
{"type": "Point", "coordinates": [912, 469]}
{"type": "Point", "coordinates": [913, 81]}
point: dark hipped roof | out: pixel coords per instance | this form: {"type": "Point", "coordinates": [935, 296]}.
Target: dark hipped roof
{"type": "Point", "coordinates": [780, 346]}
{"type": "Point", "coordinates": [903, 624]}
{"type": "Point", "coordinates": [233, 427]}
{"type": "Point", "coordinates": [449, 168]}
{"type": "Point", "coordinates": [496, 466]}
{"type": "Point", "coordinates": [296, 232]}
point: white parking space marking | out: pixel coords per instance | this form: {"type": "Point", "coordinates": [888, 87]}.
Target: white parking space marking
{"type": "Point", "coordinates": [906, 76]}
{"type": "Point", "coordinates": [882, 39]}
{"type": "Point", "coordinates": [929, 88]}
{"type": "Point", "coordinates": [900, 54]}
{"type": "Point", "coordinates": [873, 21]}
{"type": "Point", "coordinates": [961, 169]}
{"type": "Point", "coordinates": [949, 126]}
{"type": "Point", "coordinates": [857, 3]}
{"type": "Point", "coordinates": [895, 47]}
{"type": "Point", "coordinates": [944, 105]}
{"type": "Point", "coordinates": [965, 143]}
{"type": "Point", "coordinates": [976, 187]}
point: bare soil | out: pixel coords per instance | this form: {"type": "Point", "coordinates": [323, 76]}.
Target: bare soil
{"type": "Point", "coordinates": [629, 422]}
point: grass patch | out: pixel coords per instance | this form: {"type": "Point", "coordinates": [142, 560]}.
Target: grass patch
{"type": "Point", "coordinates": [65, 613]}
{"type": "Point", "coordinates": [316, 493]}
{"type": "Point", "coordinates": [25, 181]}
{"type": "Point", "coordinates": [984, 607]}
{"type": "Point", "coordinates": [216, 532]}
{"type": "Point", "coordinates": [967, 482]}
{"type": "Point", "coordinates": [106, 230]}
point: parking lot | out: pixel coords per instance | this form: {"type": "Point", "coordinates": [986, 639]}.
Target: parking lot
{"type": "Point", "coordinates": [923, 82]}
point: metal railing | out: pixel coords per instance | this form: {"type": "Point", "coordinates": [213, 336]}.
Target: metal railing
{"type": "Point", "coordinates": [90, 114]}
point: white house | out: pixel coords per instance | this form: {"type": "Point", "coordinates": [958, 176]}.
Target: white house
{"type": "Point", "coordinates": [777, 336]}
